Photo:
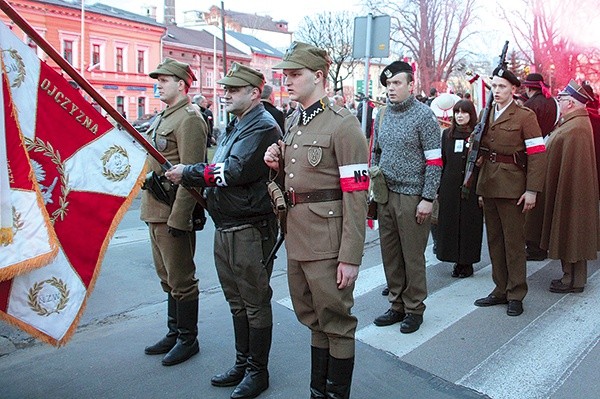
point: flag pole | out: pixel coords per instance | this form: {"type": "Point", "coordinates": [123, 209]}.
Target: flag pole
{"type": "Point", "coordinates": [88, 88]}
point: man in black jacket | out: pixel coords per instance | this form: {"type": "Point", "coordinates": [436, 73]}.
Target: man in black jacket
{"type": "Point", "coordinates": [267, 101]}
{"type": "Point", "coordinates": [246, 227]}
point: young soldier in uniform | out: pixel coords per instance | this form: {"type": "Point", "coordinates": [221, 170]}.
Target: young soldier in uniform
{"type": "Point", "coordinates": [180, 135]}
{"type": "Point", "coordinates": [513, 164]}
{"type": "Point", "coordinates": [246, 227]}
{"type": "Point", "coordinates": [324, 158]}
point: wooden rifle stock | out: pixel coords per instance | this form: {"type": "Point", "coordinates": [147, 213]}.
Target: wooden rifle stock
{"type": "Point", "coordinates": [89, 89]}
{"type": "Point", "coordinates": [477, 135]}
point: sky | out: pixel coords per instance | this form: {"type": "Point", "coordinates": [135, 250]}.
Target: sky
{"type": "Point", "coordinates": [292, 12]}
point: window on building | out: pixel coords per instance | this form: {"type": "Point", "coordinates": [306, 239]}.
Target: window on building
{"type": "Point", "coordinates": [68, 51]}
{"type": "Point", "coordinates": [141, 58]}
{"type": "Point", "coordinates": [121, 105]}
{"type": "Point", "coordinates": [209, 78]}
{"type": "Point", "coordinates": [95, 54]}
{"type": "Point", "coordinates": [119, 59]}
{"type": "Point", "coordinates": [141, 107]}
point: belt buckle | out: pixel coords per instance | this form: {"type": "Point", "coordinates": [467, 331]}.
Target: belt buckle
{"type": "Point", "coordinates": [493, 157]}
{"type": "Point", "coordinates": [291, 197]}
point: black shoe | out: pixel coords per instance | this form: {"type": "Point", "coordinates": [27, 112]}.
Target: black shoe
{"type": "Point", "coordinates": [490, 300]}
{"type": "Point", "coordinates": [234, 375]}
{"type": "Point", "coordinates": [537, 257]}
{"type": "Point", "coordinates": [411, 323]}
{"type": "Point", "coordinates": [562, 288]}
{"type": "Point", "coordinates": [388, 318]}
{"type": "Point", "coordinates": [187, 329]}
{"type": "Point", "coordinates": [386, 291]}
{"type": "Point", "coordinates": [256, 379]}
{"type": "Point", "coordinates": [167, 342]}
{"type": "Point", "coordinates": [515, 308]}
{"type": "Point", "coordinates": [465, 271]}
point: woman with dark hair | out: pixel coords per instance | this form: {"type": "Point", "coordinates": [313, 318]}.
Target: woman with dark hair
{"type": "Point", "coordinates": [460, 221]}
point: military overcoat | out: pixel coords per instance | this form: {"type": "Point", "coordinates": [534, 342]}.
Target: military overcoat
{"type": "Point", "coordinates": [571, 229]}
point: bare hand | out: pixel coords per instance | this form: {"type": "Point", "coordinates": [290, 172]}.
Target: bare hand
{"type": "Point", "coordinates": [346, 275]}
{"type": "Point", "coordinates": [175, 174]}
{"type": "Point", "coordinates": [528, 198]}
{"type": "Point", "coordinates": [273, 154]}
{"type": "Point", "coordinates": [423, 211]}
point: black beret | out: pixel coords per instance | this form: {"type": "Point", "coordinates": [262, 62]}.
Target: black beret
{"type": "Point", "coordinates": [393, 69]}
{"type": "Point", "coordinates": [508, 75]}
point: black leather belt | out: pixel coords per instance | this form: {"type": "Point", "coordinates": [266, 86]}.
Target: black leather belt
{"type": "Point", "coordinates": [294, 198]}
{"type": "Point", "coordinates": [495, 157]}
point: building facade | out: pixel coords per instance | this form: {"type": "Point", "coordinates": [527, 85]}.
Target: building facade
{"type": "Point", "coordinates": [115, 53]}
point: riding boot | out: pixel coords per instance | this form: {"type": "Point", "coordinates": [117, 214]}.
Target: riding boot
{"type": "Point", "coordinates": [168, 341]}
{"type": "Point", "coordinates": [234, 375]}
{"type": "Point", "coordinates": [256, 379]}
{"type": "Point", "coordinates": [187, 328]}
{"type": "Point", "coordinates": [339, 378]}
{"type": "Point", "coordinates": [318, 372]}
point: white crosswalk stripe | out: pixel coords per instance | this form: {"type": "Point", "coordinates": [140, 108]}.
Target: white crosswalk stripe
{"type": "Point", "coordinates": [562, 335]}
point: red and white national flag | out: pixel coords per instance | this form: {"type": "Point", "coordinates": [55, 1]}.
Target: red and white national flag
{"type": "Point", "coordinates": [27, 238]}
{"type": "Point", "coordinates": [88, 171]}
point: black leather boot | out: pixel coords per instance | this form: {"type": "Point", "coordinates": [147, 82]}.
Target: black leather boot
{"type": "Point", "coordinates": [187, 328]}
{"type": "Point", "coordinates": [339, 378]}
{"type": "Point", "coordinates": [319, 359]}
{"type": "Point", "coordinates": [234, 375]}
{"type": "Point", "coordinates": [168, 341]}
{"type": "Point", "coordinates": [256, 379]}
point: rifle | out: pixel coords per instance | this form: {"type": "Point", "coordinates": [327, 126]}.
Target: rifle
{"type": "Point", "coordinates": [478, 133]}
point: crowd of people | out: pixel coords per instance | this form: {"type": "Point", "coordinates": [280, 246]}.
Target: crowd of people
{"type": "Point", "coordinates": [305, 172]}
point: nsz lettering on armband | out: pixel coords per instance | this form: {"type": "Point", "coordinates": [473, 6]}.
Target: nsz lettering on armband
{"type": "Point", "coordinates": [68, 105]}
{"type": "Point", "coordinates": [354, 177]}
{"type": "Point", "coordinates": [214, 175]}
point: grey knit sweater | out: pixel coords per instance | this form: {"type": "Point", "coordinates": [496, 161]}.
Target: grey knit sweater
{"type": "Point", "coordinates": [410, 142]}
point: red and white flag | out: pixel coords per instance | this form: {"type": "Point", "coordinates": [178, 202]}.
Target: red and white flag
{"type": "Point", "coordinates": [27, 239]}
{"type": "Point", "coordinates": [88, 171]}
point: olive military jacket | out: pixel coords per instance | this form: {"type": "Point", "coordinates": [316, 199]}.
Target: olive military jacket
{"type": "Point", "coordinates": [515, 130]}
{"type": "Point", "coordinates": [180, 136]}
{"type": "Point", "coordinates": [326, 150]}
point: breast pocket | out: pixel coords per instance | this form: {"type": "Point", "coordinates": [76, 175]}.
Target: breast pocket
{"type": "Point", "coordinates": [508, 139]}
{"type": "Point", "coordinates": [165, 140]}
{"type": "Point", "coordinates": [316, 150]}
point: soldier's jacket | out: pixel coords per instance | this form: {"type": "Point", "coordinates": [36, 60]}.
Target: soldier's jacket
{"type": "Point", "coordinates": [515, 130]}
{"type": "Point", "coordinates": [326, 150]}
{"type": "Point", "coordinates": [179, 135]}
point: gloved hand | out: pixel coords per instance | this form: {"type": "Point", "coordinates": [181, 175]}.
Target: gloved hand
{"type": "Point", "coordinates": [176, 232]}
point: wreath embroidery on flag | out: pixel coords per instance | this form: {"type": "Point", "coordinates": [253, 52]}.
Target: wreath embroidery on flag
{"type": "Point", "coordinates": [60, 296]}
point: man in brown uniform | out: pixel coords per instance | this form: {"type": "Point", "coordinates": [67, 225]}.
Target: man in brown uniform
{"type": "Point", "coordinates": [512, 173]}
{"type": "Point", "coordinates": [325, 169]}
{"type": "Point", "coordinates": [570, 231]}
{"type": "Point", "coordinates": [179, 133]}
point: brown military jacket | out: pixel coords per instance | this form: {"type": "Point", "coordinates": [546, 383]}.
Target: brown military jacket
{"type": "Point", "coordinates": [180, 136]}
{"type": "Point", "coordinates": [327, 150]}
{"type": "Point", "coordinates": [515, 130]}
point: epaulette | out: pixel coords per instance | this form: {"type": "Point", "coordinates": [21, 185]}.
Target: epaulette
{"type": "Point", "coordinates": [341, 111]}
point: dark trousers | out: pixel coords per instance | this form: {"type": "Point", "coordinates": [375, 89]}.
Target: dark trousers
{"type": "Point", "coordinates": [243, 277]}
{"type": "Point", "coordinates": [504, 222]}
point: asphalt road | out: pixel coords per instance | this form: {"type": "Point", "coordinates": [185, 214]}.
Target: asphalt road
{"type": "Point", "coordinates": [461, 351]}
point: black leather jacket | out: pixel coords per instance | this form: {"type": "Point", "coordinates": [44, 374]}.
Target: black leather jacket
{"type": "Point", "coordinates": [240, 195]}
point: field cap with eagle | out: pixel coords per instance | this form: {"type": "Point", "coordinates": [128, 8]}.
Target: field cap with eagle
{"type": "Point", "coordinates": [240, 75]}
{"type": "Point", "coordinates": [174, 68]}
{"type": "Point", "coordinates": [303, 55]}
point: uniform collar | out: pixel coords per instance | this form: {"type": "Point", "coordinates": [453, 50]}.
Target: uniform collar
{"type": "Point", "coordinates": [182, 103]}
{"type": "Point", "coordinates": [573, 114]}
{"type": "Point", "coordinates": [306, 115]}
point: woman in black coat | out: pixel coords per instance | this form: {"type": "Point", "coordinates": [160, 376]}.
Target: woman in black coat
{"type": "Point", "coordinates": [460, 221]}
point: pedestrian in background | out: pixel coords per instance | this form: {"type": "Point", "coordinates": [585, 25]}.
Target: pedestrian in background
{"type": "Point", "coordinates": [513, 164]}
{"type": "Point", "coordinates": [246, 227]}
{"type": "Point", "coordinates": [460, 220]}
{"type": "Point", "coordinates": [180, 136]}
{"type": "Point", "coordinates": [546, 112]}
{"type": "Point", "coordinates": [571, 229]}
{"type": "Point", "coordinates": [324, 162]}
{"type": "Point", "coordinates": [268, 98]}
{"type": "Point", "coordinates": [406, 147]}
